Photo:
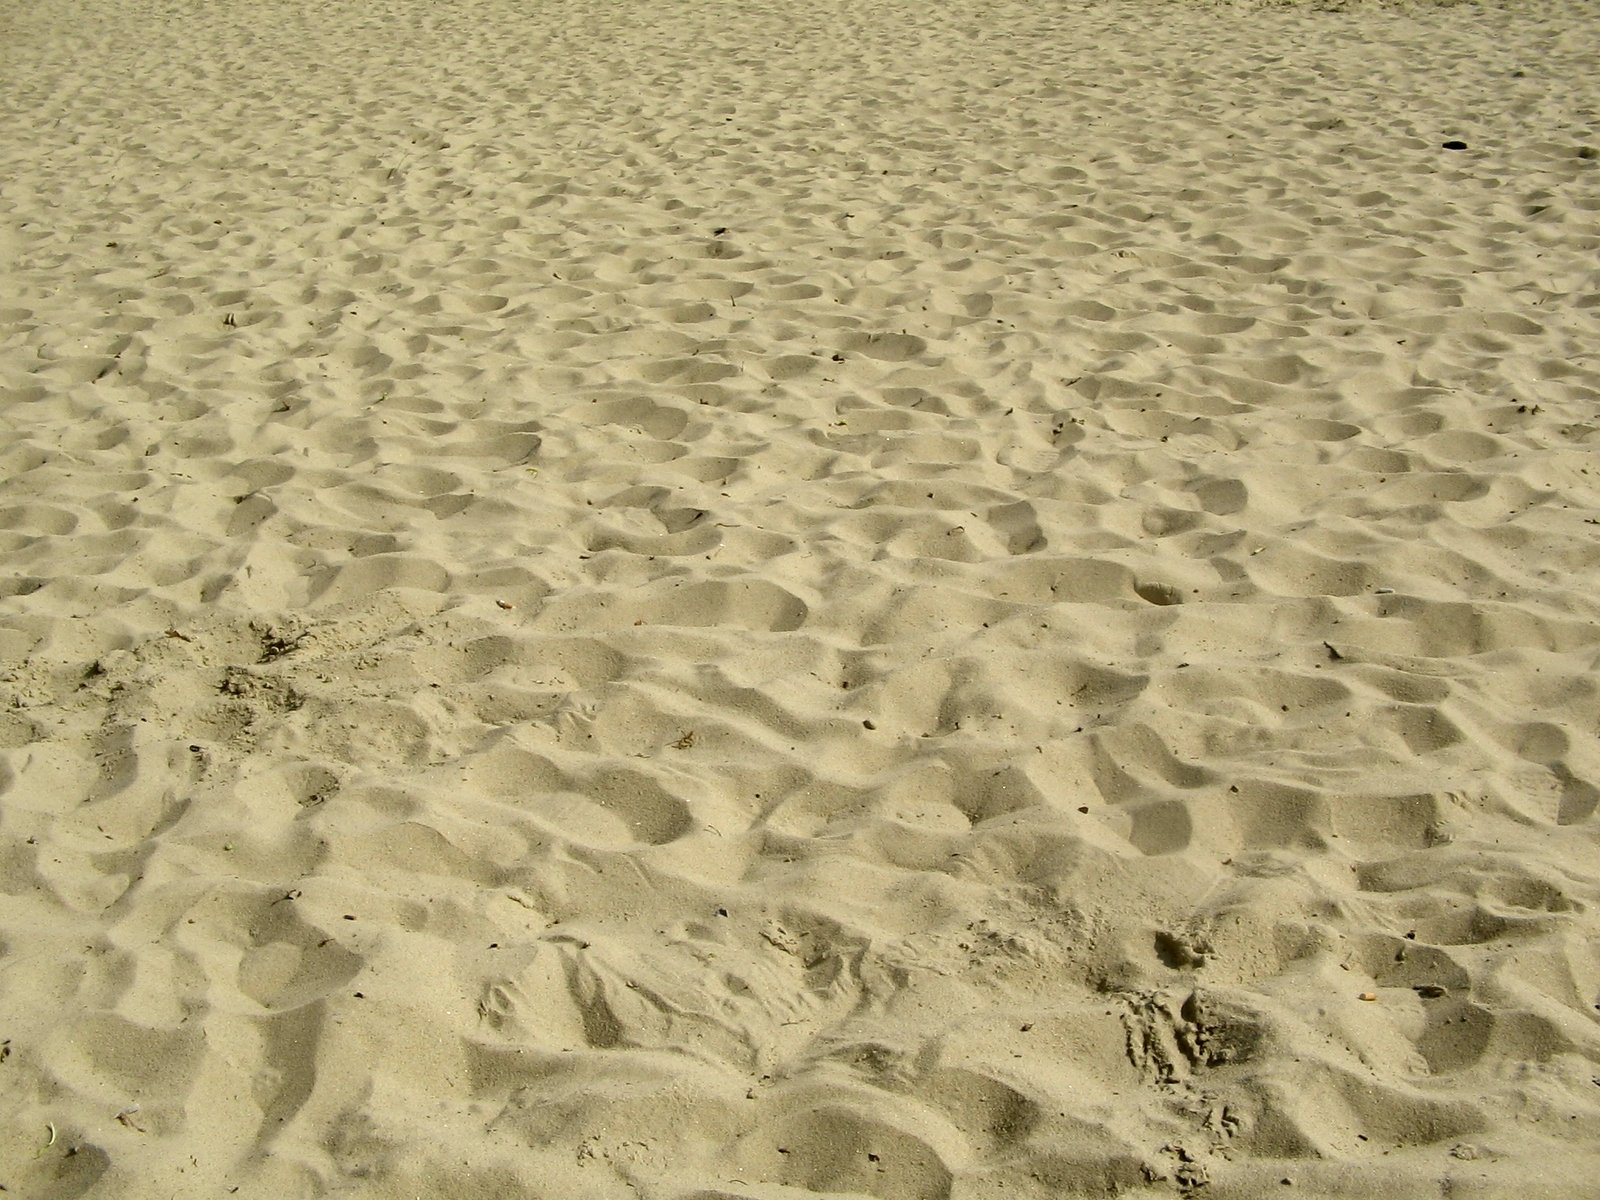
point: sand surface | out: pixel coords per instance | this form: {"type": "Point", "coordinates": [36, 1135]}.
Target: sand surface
{"type": "Point", "coordinates": [751, 601]}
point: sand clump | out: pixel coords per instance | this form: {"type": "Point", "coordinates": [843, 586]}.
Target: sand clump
{"type": "Point", "coordinates": [723, 601]}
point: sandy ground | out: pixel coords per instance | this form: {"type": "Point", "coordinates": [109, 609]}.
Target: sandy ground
{"type": "Point", "coordinates": [742, 601]}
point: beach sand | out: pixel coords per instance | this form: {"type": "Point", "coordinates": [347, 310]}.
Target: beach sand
{"type": "Point", "coordinates": [742, 601]}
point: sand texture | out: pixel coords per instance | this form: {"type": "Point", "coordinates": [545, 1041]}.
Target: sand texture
{"type": "Point", "coordinates": [750, 601]}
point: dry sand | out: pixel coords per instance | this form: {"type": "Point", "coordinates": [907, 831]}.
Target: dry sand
{"type": "Point", "coordinates": [749, 600]}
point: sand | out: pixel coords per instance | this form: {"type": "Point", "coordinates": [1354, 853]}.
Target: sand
{"type": "Point", "coordinates": [740, 600]}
